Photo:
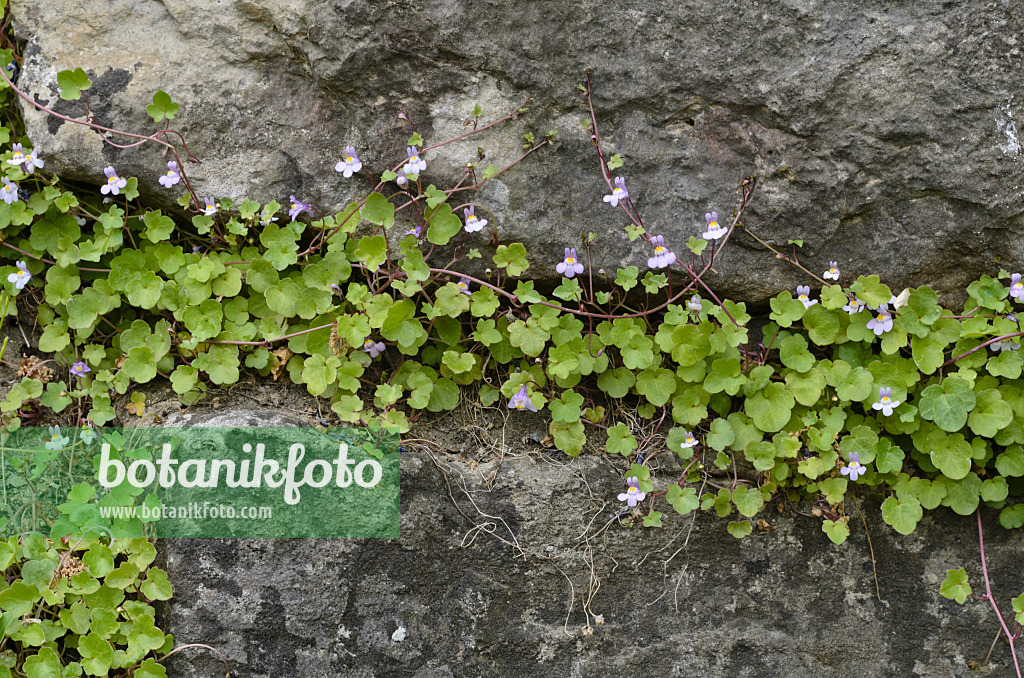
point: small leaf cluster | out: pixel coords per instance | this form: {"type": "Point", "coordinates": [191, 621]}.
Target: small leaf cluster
{"type": "Point", "coordinates": [83, 608]}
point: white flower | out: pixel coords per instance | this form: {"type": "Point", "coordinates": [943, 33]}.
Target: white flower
{"type": "Point", "coordinates": [9, 192]}
{"type": "Point", "coordinates": [21, 278]}
{"type": "Point", "coordinates": [802, 291]}
{"type": "Point", "coordinates": [855, 306]}
{"type": "Point", "coordinates": [885, 401]}
{"type": "Point", "coordinates": [833, 271]}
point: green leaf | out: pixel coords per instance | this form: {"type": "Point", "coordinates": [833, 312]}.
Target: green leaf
{"type": "Point", "coordinates": [97, 654]}
{"type": "Point", "coordinates": [512, 258]}
{"type": "Point", "coordinates": [794, 354]}
{"type": "Point", "coordinates": [72, 83]}
{"type": "Point", "coordinates": [948, 404]}
{"type": "Point", "coordinates": [963, 495]}
{"type": "Point", "coordinates": [1018, 607]}
{"type": "Point", "coordinates": [834, 489]}
{"type": "Point", "coordinates": [144, 637]}
{"type": "Point", "coordinates": [378, 210]}
{"type": "Point", "coordinates": [955, 586]}
{"type": "Point", "coordinates": [620, 440]}
{"type": "Point", "coordinates": [990, 415]}
{"type": "Point", "coordinates": [989, 293]}
{"type": "Point", "coordinates": [770, 409]}
{"type": "Point", "coordinates": [657, 385]}
{"type": "Point", "coordinates": [952, 455]}
{"type": "Point", "coordinates": [162, 107]}
{"type": "Point", "coordinates": [616, 383]}
{"type": "Point", "coordinates": [282, 248]}
{"type": "Point", "coordinates": [566, 409]}
{"type": "Point", "coordinates": [44, 664]}
{"type": "Point", "coordinates": [150, 669]}
{"type": "Point", "coordinates": [158, 227]}
{"type": "Point", "coordinates": [872, 292]}
{"type": "Point", "coordinates": [748, 501]}
{"type": "Point", "coordinates": [568, 437]}
{"type": "Point", "coordinates": [1012, 517]}
{"type": "Point", "coordinates": [683, 500]}
{"type": "Point", "coordinates": [785, 309]}
{"type": "Point", "coordinates": [761, 454]}
{"type": "Point", "coordinates": [1011, 461]}
{"type": "Point", "coordinates": [739, 529]}
{"type": "Point", "coordinates": [435, 196]}
{"type": "Point", "coordinates": [220, 362]}
{"type": "Point", "coordinates": [837, 530]}
{"type": "Point", "coordinates": [822, 325]}
{"type": "Point", "coordinates": [444, 225]}
{"type": "Point", "coordinates": [156, 586]}
{"type": "Point", "coordinates": [902, 514]}
{"type": "Point", "coordinates": [615, 162]}
{"type": "Point", "coordinates": [721, 435]}
{"type": "Point", "coordinates": [653, 519]}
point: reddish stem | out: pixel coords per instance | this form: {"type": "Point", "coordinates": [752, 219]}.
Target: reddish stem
{"type": "Point", "coordinates": [991, 599]}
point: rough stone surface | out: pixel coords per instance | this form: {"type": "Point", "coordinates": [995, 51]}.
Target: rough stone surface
{"type": "Point", "coordinates": [883, 133]}
{"type": "Point", "coordinates": [482, 588]}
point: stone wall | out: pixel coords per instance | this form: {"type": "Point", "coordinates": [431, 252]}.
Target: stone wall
{"type": "Point", "coordinates": [883, 133]}
{"type": "Point", "coordinates": [499, 586]}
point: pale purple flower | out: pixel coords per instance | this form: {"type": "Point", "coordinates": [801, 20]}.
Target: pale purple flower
{"type": "Point", "coordinates": [416, 164]}
{"type": "Point", "coordinates": [114, 183]}
{"type": "Point", "coordinates": [882, 322]}
{"type": "Point", "coordinates": [19, 156]}
{"type": "Point", "coordinates": [521, 401]}
{"type": "Point", "coordinates": [79, 369]}
{"type": "Point", "coordinates": [266, 219]}
{"type": "Point", "coordinates": [833, 271]}
{"type": "Point", "coordinates": [632, 495]}
{"type": "Point", "coordinates": [473, 223]}
{"type": "Point", "coordinates": [464, 286]}
{"type": "Point", "coordinates": [1016, 287]}
{"type": "Point", "coordinates": [402, 180]}
{"type": "Point", "coordinates": [374, 348]}
{"type": "Point", "coordinates": [619, 193]}
{"type": "Point", "coordinates": [416, 230]}
{"type": "Point", "coordinates": [87, 434]}
{"type": "Point", "coordinates": [714, 231]}
{"type": "Point", "coordinates": [688, 441]}
{"type": "Point", "coordinates": [662, 256]}
{"type": "Point", "coordinates": [1004, 345]}
{"type": "Point", "coordinates": [172, 177]}
{"type": "Point", "coordinates": [9, 192]}
{"type": "Point", "coordinates": [854, 469]}
{"type": "Point", "coordinates": [32, 161]}
{"type": "Point", "coordinates": [885, 402]}
{"type": "Point", "coordinates": [211, 207]}
{"type": "Point", "coordinates": [801, 294]}
{"type": "Point", "coordinates": [349, 164]}
{"type": "Point", "coordinates": [56, 440]}
{"type": "Point", "coordinates": [297, 207]}
{"type": "Point", "coordinates": [854, 306]}
{"type": "Point", "coordinates": [571, 265]}
{"type": "Point", "coordinates": [21, 278]}
{"type": "Point", "coordinates": [694, 304]}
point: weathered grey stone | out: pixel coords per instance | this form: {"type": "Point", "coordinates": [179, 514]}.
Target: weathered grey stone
{"type": "Point", "coordinates": [483, 589]}
{"type": "Point", "coordinates": [883, 134]}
